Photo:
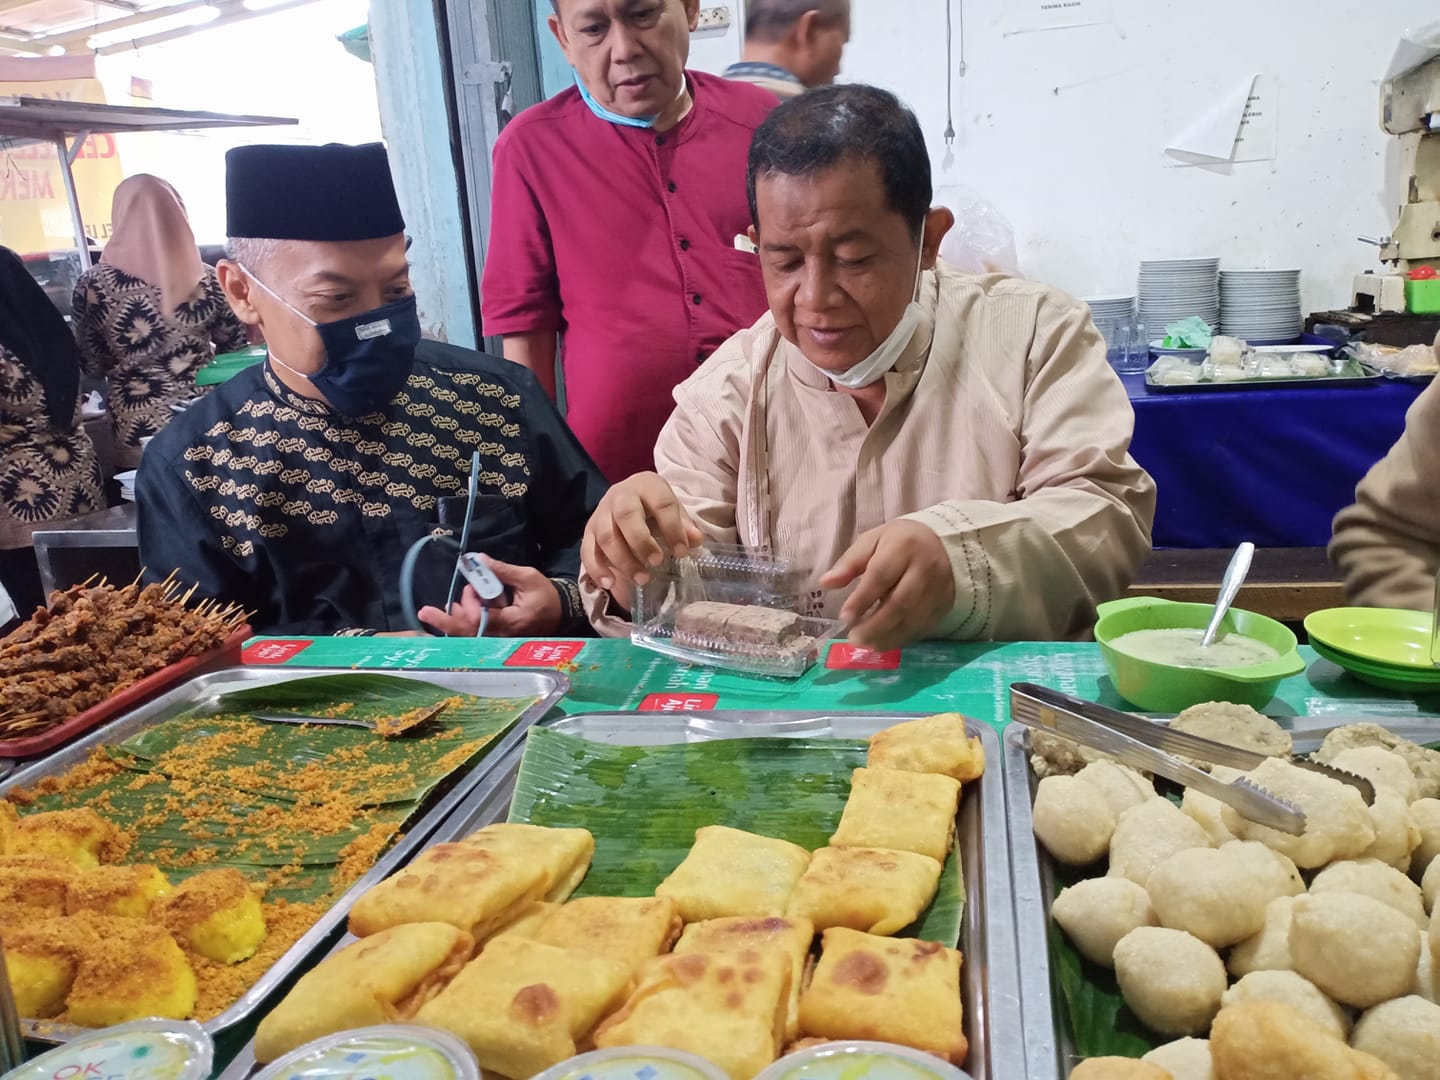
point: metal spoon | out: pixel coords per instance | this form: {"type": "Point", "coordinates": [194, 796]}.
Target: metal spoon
{"type": "Point", "coordinates": [1234, 577]}
{"type": "Point", "coordinates": [1435, 626]}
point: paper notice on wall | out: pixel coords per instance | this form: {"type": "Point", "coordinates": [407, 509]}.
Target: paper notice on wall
{"type": "Point", "coordinates": [1239, 126]}
{"type": "Point", "coordinates": [1034, 16]}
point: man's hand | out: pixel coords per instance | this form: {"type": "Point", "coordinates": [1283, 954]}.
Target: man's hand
{"type": "Point", "coordinates": [534, 612]}
{"type": "Point", "coordinates": [905, 585]}
{"type": "Point", "coordinates": [624, 537]}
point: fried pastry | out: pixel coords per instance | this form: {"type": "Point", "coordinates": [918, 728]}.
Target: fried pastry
{"type": "Point", "coordinates": [869, 889]}
{"type": "Point", "coordinates": [904, 811]}
{"type": "Point", "coordinates": [729, 872]}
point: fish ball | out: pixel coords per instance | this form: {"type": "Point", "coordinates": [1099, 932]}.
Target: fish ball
{"type": "Point", "coordinates": [1430, 885]}
{"type": "Point", "coordinates": [1072, 820]}
{"type": "Point", "coordinates": [1405, 1034]}
{"type": "Point", "coordinates": [1275, 873]}
{"type": "Point", "coordinates": [1371, 877]}
{"type": "Point", "coordinates": [1098, 912]}
{"type": "Point", "coordinates": [1337, 821]}
{"type": "Point", "coordinates": [1383, 768]}
{"type": "Point", "coordinates": [1269, 950]}
{"type": "Point", "coordinates": [1425, 816]}
{"type": "Point", "coordinates": [1171, 980]}
{"type": "Point", "coordinates": [1427, 985]}
{"type": "Point", "coordinates": [1290, 989]}
{"type": "Point", "coordinates": [1234, 725]}
{"type": "Point", "coordinates": [1395, 833]}
{"type": "Point", "coordinates": [1184, 1059]}
{"type": "Point", "coordinates": [1147, 835]}
{"type": "Point", "coordinates": [1209, 893]}
{"type": "Point", "coordinates": [1359, 951]}
{"type": "Point", "coordinates": [1269, 1040]}
{"type": "Point", "coordinates": [1121, 785]}
{"type": "Point", "coordinates": [1117, 1068]}
{"type": "Point", "coordinates": [1207, 811]}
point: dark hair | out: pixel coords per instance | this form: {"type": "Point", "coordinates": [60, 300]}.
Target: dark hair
{"type": "Point", "coordinates": [823, 127]}
{"type": "Point", "coordinates": [771, 20]}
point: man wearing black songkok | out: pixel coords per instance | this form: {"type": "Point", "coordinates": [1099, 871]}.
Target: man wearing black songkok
{"type": "Point", "coordinates": [299, 487]}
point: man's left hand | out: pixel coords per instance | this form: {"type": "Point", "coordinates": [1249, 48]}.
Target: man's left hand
{"type": "Point", "coordinates": [534, 612]}
{"type": "Point", "coordinates": [905, 585]}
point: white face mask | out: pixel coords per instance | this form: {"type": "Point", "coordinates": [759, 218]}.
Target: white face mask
{"type": "Point", "coordinates": [887, 353]}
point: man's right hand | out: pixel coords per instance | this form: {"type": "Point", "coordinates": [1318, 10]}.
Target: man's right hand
{"type": "Point", "coordinates": [636, 524]}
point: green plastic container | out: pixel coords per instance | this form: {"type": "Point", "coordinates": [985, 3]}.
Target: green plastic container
{"type": "Point", "coordinates": [227, 365]}
{"type": "Point", "coordinates": [1422, 297]}
{"type": "Point", "coordinates": [1165, 688]}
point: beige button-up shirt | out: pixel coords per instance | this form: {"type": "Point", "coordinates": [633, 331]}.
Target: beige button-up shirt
{"type": "Point", "coordinates": [1387, 545]}
{"type": "Point", "coordinates": [1004, 430]}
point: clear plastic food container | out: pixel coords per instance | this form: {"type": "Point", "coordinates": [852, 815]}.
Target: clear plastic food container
{"type": "Point", "coordinates": [392, 1051]}
{"type": "Point", "coordinates": [635, 1063]}
{"type": "Point", "coordinates": [140, 1050]}
{"type": "Point", "coordinates": [860, 1060]}
{"type": "Point", "coordinates": [728, 608]}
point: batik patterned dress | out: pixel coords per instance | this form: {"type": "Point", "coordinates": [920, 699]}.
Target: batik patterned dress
{"type": "Point", "coordinates": [147, 357]}
{"type": "Point", "coordinates": [45, 474]}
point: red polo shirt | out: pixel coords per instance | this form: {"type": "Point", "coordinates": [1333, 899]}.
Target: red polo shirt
{"type": "Point", "coordinates": [624, 241]}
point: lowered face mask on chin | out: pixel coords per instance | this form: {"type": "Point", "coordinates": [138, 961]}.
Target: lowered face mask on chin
{"type": "Point", "coordinates": [368, 356]}
{"type": "Point", "coordinates": [887, 354]}
{"type": "Point", "coordinates": [613, 117]}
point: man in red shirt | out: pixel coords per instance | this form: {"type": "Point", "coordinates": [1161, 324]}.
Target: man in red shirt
{"type": "Point", "coordinates": [615, 213]}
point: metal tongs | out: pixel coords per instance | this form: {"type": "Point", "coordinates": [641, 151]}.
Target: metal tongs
{"type": "Point", "coordinates": [1144, 744]}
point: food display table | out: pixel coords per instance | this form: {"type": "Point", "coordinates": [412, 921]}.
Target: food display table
{"type": "Point", "coordinates": [1269, 466]}
{"type": "Point", "coordinates": [612, 676]}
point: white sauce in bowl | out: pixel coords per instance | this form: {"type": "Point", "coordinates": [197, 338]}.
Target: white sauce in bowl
{"type": "Point", "coordinates": [1181, 648]}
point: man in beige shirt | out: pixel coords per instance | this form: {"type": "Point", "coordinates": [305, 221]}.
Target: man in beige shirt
{"type": "Point", "coordinates": [1387, 545]}
{"type": "Point", "coordinates": [792, 44]}
{"type": "Point", "coordinates": [950, 450]}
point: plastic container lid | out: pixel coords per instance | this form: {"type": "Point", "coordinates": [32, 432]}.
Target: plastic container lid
{"type": "Point", "coordinates": [394, 1051]}
{"type": "Point", "coordinates": [635, 1063]}
{"type": "Point", "coordinates": [148, 1049]}
{"type": "Point", "coordinates": [859, 1060]}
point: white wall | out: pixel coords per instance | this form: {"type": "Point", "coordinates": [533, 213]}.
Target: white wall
{"type": "Point", "coordinates": [1064, 129]}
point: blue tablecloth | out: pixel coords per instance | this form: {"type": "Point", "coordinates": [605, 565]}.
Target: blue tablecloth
{"type": "Point", "coordinates": [1271, 466]}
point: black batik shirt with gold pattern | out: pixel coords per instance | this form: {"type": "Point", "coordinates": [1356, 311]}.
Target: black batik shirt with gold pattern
{"type": "Point", "coordinates": [277, 502]}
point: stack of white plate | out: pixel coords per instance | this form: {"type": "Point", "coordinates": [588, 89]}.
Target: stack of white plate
{"type": "Point", "coordinates": [1175, 289]}
{"type": "Point", "coordinates": [1261, 305]}
{"type": "Point", "coordinates": [1111, 307]}
{"type": "Point", "coordinates": [126, 480]}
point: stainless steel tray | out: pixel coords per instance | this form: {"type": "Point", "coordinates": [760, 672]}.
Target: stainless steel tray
{"type": "Point", "coordinates": [548, 687]}
{"type": "Point", "coordinates": [987, 938]}
{"type": "Point", "coordinates": [1050, 1053]}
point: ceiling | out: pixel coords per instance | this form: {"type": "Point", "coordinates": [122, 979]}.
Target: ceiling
{"type": "Point", "coordinates": [60, 27]}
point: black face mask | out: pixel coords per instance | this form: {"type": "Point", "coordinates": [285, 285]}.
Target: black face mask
{"type": "Point", "coordinates": [368, 356]}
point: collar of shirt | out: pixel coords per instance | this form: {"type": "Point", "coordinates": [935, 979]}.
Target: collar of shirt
{"type": "Point", "coordinates": [760, 69]}
{"type": "Point", "coordinates": [912, 361]}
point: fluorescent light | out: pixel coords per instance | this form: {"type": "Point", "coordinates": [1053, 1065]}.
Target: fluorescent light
{"type": "Point", "coordinates": [263, 5]}
{"type": "Point", "coordinates": [55, 50]}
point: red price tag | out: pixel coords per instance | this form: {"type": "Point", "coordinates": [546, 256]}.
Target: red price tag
{"type": "Point", "coordinates": [274, 652]}
{"type": "Point", "coordinates": [678, 702]}
{"type": "Point", "coordinates": [545, 654]}
{"type": "Point", "coordinates": [842, 657]}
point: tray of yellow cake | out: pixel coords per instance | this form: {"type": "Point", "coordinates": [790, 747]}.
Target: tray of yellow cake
{"type": "Point", "coordinates": [184, 860]}
{"type": "Point", "coordinates": [735, 886]}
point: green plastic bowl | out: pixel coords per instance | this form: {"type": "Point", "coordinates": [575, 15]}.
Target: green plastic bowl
{"type": "Point", "coordinates": [1166, 688]}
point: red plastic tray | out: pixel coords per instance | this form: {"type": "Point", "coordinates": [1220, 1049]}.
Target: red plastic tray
{"type": "Point", "coordinates": [227, 655]}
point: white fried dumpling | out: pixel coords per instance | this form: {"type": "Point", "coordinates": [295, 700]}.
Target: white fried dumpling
{"type": "Point", "coordinates": [1430, 885]}
{"type": "Point", "coordinates": [1434, 935]}
{"type": "Point", "coordinates": [1209, 893]}
{"type": "Point", "coordinates": [1206, 810]}
{"type": "Point", "coordinates": [1383, 768]}
{"type": "Point", "coordinates": [1097, 912]}
{"type": "Point", "coordinates": [1425, 764]}
{"type": "Point", "coordinates": [1337, 821]}
{"type": "Point", "coordinates": [1269, 950]}
{"type": "Point", "coordinates": [1359, 951]}
{"type": "Point", "coordinates": [1427, 973]}
{"type": "Point", "coordinates": [1395, 833]}
{"type": "Point", "coordinates": [1171, 980]}
{"type": "Point", "coordinates": [1184, 1059]}
{"type": "Point", "coordinates": [1425, 816]}
{"type": "Point", "coordinates": [1117, 1068]}
{"type": "Point", "coordinates": [1072, 819]}
{"type": "Point", "coordinates": [1121, 785]}
{"type": "Point", "coordinates": [1405, 1034]}
{"type": "Point", "coordinates": [1147, 835]}
{"type": "Point", "coordinates": [1269, 1040]}
{"type": "Point", "coordinates": [1371, 877]}
{"type": "Point", "coordinates": [1234, 725]}
{"type": "Point", "coordinates": [1273, 872]}
{"type": "Point", "coordinates": [1290, 989]}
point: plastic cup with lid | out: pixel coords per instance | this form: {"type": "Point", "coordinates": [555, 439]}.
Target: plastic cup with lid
{"type": "Point", "coordinates": [635, 1063]}
{"type": "Point", "coordinates": [152, 1049]}
{"type": "Point", "coordinates": [396, 1051]}
{"type": "Point", "coordinates": [861, 1060]}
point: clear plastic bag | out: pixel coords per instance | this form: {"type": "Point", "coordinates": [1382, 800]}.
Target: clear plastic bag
{"type": "Point", "coordinates": [982, 240]}
{"type": "Point", "coordinates": [729, 608]}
